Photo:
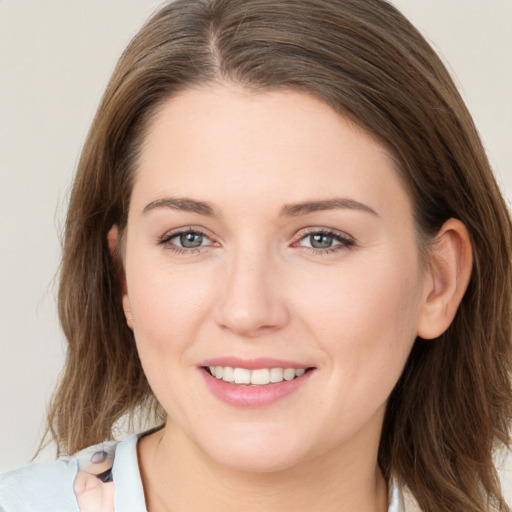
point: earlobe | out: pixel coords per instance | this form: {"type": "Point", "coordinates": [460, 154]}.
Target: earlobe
{"type": "Point", "coordinates": [127, 311]}
{"type": "Point", "coordinates": [113, 245]}
{"type": "Point", "coordinates": [446, 280]}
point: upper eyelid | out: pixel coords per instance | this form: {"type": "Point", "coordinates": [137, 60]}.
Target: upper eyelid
{"type": "Point", "coordinates": [188, 229]}
{"type": "Point", "coordinates": [323, 230]}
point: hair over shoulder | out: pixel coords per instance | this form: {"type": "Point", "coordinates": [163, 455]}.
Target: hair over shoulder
{"type": "Point", "coordinates": [453, 403]}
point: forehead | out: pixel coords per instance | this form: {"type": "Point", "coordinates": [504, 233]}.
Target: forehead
{"type": "Point", "coordinates": [222, 141]}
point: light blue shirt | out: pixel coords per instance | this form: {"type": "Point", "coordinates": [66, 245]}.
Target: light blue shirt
{"type": "Point", "coordinates": [50, 487]}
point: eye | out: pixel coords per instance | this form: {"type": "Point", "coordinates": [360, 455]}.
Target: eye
{"type": "Point", "coordinates": [189, 240]}
{"type": "Point", "coordinates": [186, 240]}
{"type": "Point", "coordinates": [325, 241]}
{"type": "Point", "coordinates": [320, 241]}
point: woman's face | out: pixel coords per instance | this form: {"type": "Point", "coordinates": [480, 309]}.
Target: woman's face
{"type": "Point", "coordinates": [270, 238]}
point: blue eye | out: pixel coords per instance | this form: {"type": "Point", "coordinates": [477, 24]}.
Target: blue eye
{"type": "Point", "coordinates": [321, 241]}
{"type": "Point", "coordinates": [325, 241]}
{"type": "Point", "coordinates": [189, 240]}
{"type": "Point", "coordinates": [184, 240]}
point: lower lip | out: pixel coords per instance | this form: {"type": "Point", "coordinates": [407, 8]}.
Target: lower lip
{"type": "Point", "coordinates": [243, 395]}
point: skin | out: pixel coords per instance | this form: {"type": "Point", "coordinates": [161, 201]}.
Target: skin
{"type": "Point", "coordinates": [92, 494]}
{"type": "Point", "coordinates": [256, 288]}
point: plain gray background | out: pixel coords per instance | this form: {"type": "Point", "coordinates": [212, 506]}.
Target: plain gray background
{"type": "Point", "coordinates": [55, 59]}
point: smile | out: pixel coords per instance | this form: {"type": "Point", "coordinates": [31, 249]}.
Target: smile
{"type": "Point", "coordinates": [254, 382]}
{"type": "Point", "coordinates": [256, 377]}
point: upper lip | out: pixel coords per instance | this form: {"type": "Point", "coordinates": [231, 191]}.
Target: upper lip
{"type": "Point", "coordinates": [253, 364]}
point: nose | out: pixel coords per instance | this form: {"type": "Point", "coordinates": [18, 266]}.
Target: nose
{"type": "Point", "coordinates": [251, 297]}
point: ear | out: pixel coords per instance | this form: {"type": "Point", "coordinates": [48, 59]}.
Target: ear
{"type": "Point", "coordinates": [446, 280]}
{"type": "Point", "coordinates": [113, 246]}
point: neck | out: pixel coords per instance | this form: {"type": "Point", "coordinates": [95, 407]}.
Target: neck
{"type": "Point", "coordinates": [177, 475]}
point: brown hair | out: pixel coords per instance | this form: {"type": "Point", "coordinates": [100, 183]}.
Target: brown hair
{"type": "Point", "coordinates": [453, 403]}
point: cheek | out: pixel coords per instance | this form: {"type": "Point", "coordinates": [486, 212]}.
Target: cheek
{"type": "Point", "coordinates": [163, 300]}
{"type": "Point", "coordinates": [365, 319]}
{"type": "Point", "coordinates": [167, 308]}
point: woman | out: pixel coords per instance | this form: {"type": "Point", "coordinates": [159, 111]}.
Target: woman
{"type": "Point", "coordinates": [285, 240]}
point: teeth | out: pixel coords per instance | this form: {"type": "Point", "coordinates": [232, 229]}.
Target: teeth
{"type": "Point", "coordinates": [242, 376]}
{"type": "Point", "coordinates": [259, 377]}
{"type": "Point", "coordinates": [289, 374]}
{"type": "Point", "coordinates": [276, 375]}
{"type": "Point", "coordinates": [228, 374]}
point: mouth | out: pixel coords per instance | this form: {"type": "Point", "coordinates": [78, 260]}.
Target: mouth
{"type": "Point", "coordinates": [254, 382]}
{"type": "Point", "coordinates": [255, 377]}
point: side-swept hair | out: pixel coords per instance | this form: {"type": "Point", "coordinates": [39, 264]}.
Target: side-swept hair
{"type": "Point", "coordinates": [453, 404]}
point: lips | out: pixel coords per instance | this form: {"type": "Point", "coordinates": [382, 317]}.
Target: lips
{"type": "Point", "coordinates": [253, 383]}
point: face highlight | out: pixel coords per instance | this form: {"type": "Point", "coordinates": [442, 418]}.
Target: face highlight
{"type": "Point", "coordinates": [272, 276]}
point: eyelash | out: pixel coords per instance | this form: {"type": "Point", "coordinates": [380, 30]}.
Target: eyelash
{"type": "Point", "coordinates": [345, 242]}
{"type": "Point", "coordinates": [166, 241]}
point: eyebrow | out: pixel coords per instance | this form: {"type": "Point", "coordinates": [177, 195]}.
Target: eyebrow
{"type": "Point", "coordinates": [296, 209]}
{"type": "Point", "coordinates": [183, 204]}
{"type": "Point", "coordinates": [289, 210]}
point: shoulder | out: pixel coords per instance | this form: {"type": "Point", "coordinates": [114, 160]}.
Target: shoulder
{"type": "Point", "coordinates": [40, 487]}
{"type": "Point", "coordinates": [77, 484]}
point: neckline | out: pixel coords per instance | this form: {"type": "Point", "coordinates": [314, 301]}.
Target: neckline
{"type": "Point", "coordinates": [129, 492]}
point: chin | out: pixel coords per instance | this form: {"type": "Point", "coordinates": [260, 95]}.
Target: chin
{"type": "Point", "coordinates": [255, 461]}
{"type": "Point", "coordinates": [255, 450]}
